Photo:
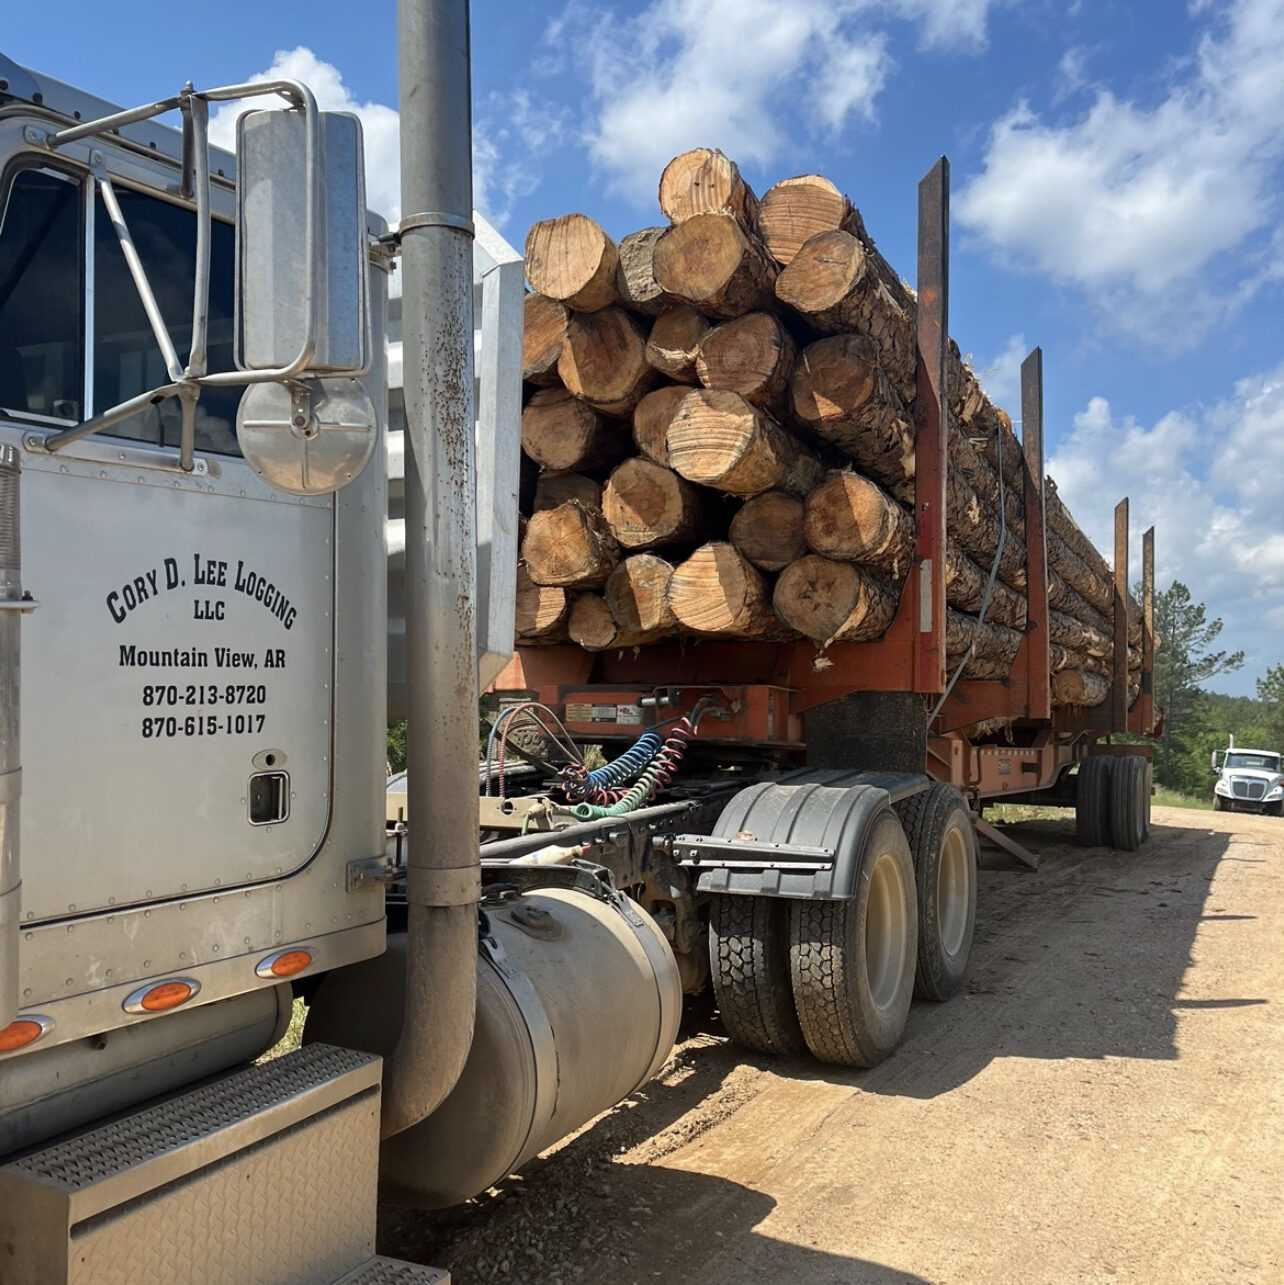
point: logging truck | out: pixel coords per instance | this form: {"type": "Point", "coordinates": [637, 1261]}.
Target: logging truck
{"type": "Point", "coordinates": [237, 529]}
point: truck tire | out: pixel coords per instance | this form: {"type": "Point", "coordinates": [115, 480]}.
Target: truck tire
{"type": "Point", "coordinates": [942, 844]}
{"type": "Point", "coordinates": [852, 962]}
{"type": "Point", "coordinates": [1218, 804]}
{"type": "Point", "coordinates": [1128, 798]}
{"type": "Point", "coordinates": [749, 960]}
{"type": "Point", "coordinates": [1092, 801]}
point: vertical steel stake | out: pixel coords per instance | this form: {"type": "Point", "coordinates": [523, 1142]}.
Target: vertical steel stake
{"type": "Point", "coordinates": [1038, 664]}
{"type": "Point", "coordinates": [1119, 688]}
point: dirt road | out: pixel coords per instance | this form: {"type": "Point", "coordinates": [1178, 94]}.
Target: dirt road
{"type": "Point", "coordinates": [1105, 1103]}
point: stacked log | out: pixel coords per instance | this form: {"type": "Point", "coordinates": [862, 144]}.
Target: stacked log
{"type": "Point", "coordinates": [722, 412]}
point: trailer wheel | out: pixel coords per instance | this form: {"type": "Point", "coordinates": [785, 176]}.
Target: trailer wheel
{"type": "Point", "coordinates": [749, 959]}
{"type": "Point", "coordinates": [852, 962]}
{"type": "Point", "coordinates": [942, 843]}
{"type": "Point", "coordinates": [1092, 801]}
{"type": "Point", "coordinates": [1128, 803]}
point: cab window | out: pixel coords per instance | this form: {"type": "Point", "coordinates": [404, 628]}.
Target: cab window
{"type": "Point", "coordinates": [43, 320]}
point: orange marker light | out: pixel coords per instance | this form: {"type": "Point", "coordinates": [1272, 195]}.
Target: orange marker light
{"type": "Point", "coordinates": [160, 997]}
{"type": "Point", "coordinates": [285, 964]}
{"type": "Point", "coordinates": [20, 1033]}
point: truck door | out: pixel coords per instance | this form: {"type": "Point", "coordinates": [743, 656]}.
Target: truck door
{"type": "Point", "coordinates": [177, 675]}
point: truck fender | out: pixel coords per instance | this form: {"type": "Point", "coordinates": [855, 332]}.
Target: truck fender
{"type": "Point", "coordinates": [800, 839]}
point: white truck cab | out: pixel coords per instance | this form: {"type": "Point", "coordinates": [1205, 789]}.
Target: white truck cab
{"type": "Point", "coordinates": [1248, 780]}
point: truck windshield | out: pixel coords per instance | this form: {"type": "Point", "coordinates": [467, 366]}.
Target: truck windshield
{"type": "Point", "coordinates": [1247, 759]}
{"type": "Point", "coordinates": [45, 324]}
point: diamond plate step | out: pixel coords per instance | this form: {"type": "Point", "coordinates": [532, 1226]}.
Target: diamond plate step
{"type": "Point", "coordinates": [265, 1177]}
{"type": "Point", "coordinates": [392, 1271]}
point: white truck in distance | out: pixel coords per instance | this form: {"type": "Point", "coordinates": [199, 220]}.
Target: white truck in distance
{"type": "Point", "coordinates": [1248, 781]}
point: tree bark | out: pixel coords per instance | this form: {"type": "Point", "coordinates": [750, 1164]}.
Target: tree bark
{"type": "Point", "coordinates": [637, 592]}
{"type": "Point", "coordinates": [674, 341]}
{"type": "Point", "coordinates": [830, 601]}
{"type": "Point", "coordinates": [851, 519]}
{"type": "Point", "coordinates": [604, 360]}
{"type": "Point", "coordinates": [543, 334]}
{"type": "Point", "coordinates": [651, 419]}
{"type": "Point", "coordinates": [1064, 598]}
{"type": "Point", "coordinates": [561, 432]}
{"type": "Point", "coordinates": [1072, 634]}
{"type": "Point", "coordinates": [965, 589]}
{"type": "Point", "coordinates": [553, 489]}
{"type": "Point", "coordinates": [794, 210]}
{"type": "Point", "coordinates": [571, 259]}
{"type": "Point", "coordinates": [976, 529]}
{"type": "Point", "coordinates": [569, 546]}
{"type": "Point", "coordinates": [592, 626]}
{"type": "Point", "coordinates": [646, 505]}
{"type": "Point", "coordinates": [989, 641]}
{"type": "Point", "coordinates": [718, 592]}
{"type": "Point", "coordinates": [635, 276]}
{"type": "Point", "coordinates": [541, 611]}
{"type": "Point", "coordinates": [720, 440]}
{"type": "Point", "coordinates": [704, 181]}
{"type": "Point", "coordinates": [711, 262]}
{"type": "Point", "coordinates": [768, 530]}
{"type": "Point", "coordinates": [753, 356]}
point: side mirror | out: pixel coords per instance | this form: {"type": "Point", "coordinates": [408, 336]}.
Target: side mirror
{"type": "Point", "coordinates": [302, 280]}
{"type": "Point", "coordinates": [1213, 760]}
{"type": "Point", "coordinates": [305, 425]}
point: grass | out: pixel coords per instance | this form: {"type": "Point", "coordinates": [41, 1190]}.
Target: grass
{"type": "Point", "coordinates": [293, 1036]}
{"type": "Point", "coordinates": [1166, 798]}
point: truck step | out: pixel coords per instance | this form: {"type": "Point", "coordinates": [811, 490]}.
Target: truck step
{"type": "Point", "coordinates": [264, 1177]}
{"type": "Point", "coordinates": [391, 1271]}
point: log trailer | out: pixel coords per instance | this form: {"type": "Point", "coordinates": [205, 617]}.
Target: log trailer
{"type": "Point", "coordinates": [206, 610]}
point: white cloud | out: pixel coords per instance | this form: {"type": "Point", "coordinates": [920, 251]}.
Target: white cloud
{"type": "Point", "coordinates": [741, 75]}
{"type": "Point", "coordinates": [1208, 481]}
{"type": "Point", "coordinates": [509, 134]}
{"type": "Point", "coordinates": [1140, 206]}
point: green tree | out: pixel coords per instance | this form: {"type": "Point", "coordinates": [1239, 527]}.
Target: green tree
{"type": "Point", "coordinates": [1270, 689]}
{"type": "Point", "coordinates": [1184, 662]}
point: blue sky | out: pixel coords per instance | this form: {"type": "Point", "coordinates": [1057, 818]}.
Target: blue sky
{"type": "Point", "coordinates": [1118, 170]}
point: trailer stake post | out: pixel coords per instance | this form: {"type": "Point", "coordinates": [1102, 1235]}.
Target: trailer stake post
{"type": "Point", "coordinates": [1119, 682]}
{"type": "Point", "coordinates": [1035, 649]}
{"type": "Point", "coordinates": [930, 435]}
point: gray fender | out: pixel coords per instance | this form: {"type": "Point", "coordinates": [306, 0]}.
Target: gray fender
{"type": "Point", "coordinates": [801, 838]}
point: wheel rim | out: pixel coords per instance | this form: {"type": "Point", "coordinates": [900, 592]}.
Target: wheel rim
{"type": "Point", "coordinates": [886, 931]}
{"type": "Point", "coordinates": [953, 892]}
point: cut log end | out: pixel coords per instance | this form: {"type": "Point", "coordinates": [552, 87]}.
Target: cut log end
{"type": "Point", "coordinates": [646, 504]}
{"type": "Point", "coordinates": [569, 546]}
{"type": "Point", "coordinates": [637, 593]}
{"type": "Point", "coordinates": [543, 333]}
{"type": "Point", "coordinates": [796, 209]}
{"type": "Point", "coordinates": [768, 530]}
{"type": "Point", "coordinates": [830, 601]}
{"type": "Point", "coordinates": [572, 260]}
{"type": "Point", "coordinates": [674, 342]}
{"type": "Point", "coordinates": [704, 181]}
{"type": "Point", "coordinates": [716, 591]}
{"type": "Point", "coordinates": [604, 361]}
{"type": "Point", "coordinates": [709, 261]}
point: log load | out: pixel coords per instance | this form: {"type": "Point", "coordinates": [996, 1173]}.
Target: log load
{"type": "Point", "coordinates": [543, 334]}
{"type": "Point", "coordinates": [715, 265]}
{"type": "Point", "coordinates": [647, 505]}
{"type": "Point", "coordinates": [604, 361]}
{"type": "Point", "coordinates": [592, 625]}
{"type": "Point", "coordinates": [569, 546]}
{"type": "Point", "coordinates": [572, 260]}
{"type": "Point", "coordinates": [766, 351]}
{"type": "Point", "coordinates": [716, 591]}
{"type": "Point", "coordinates": [561, 432]}
{"type": "Point", "coordinates": [768, 530]}
{"type": "Point", "coordinates": [637, 592]}
{"type": "Point", "coordinates": [830, 601]}
{"type": "Point", "coordinates": [720, 440]}
{"type": "Point", "coordinates": [674, 342]}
